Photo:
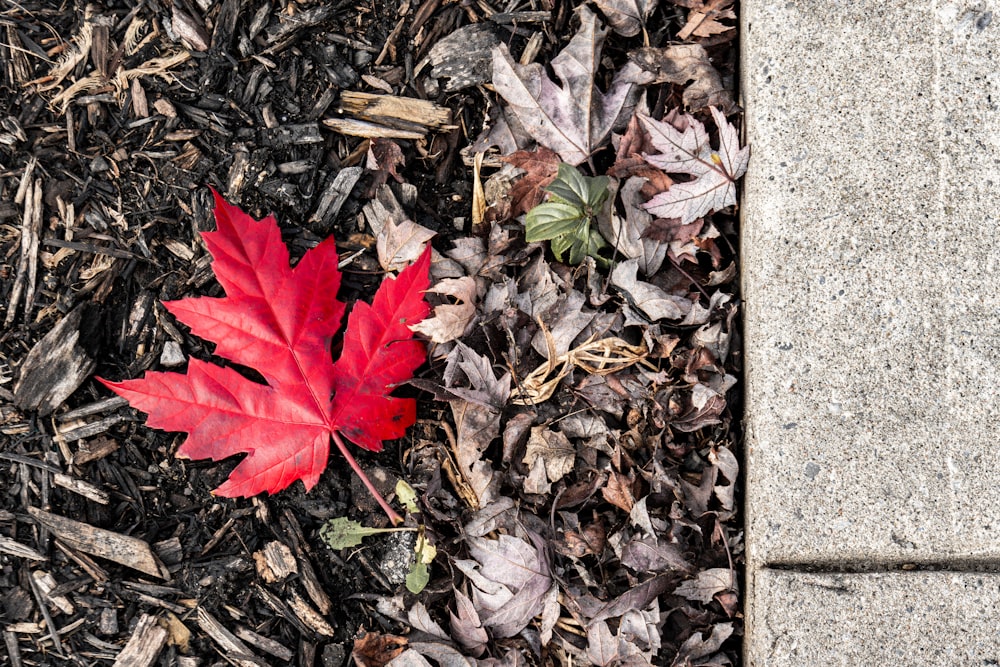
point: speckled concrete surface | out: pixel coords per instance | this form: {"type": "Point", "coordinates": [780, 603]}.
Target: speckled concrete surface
{"type": "Point", "coordinates": [872, 328]}
{"type": "Point", "coordinates": [872, 305]}
{"type": "Point", "coordinates": [898, 619]}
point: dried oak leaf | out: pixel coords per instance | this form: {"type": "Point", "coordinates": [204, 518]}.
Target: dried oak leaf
{"type": "Point", "coordinates": [279, 321]}
{"type": "Point", "coordinates": [685, 149]}
{"type": "Point", "coordinates": [573, 119]}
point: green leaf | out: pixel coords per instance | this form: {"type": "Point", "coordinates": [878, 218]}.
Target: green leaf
{"type": "Point", "coordinates": [407, 496]}
{"type": "Point", "coordinates": [342, 532]}
{"type": "Point", "coordinates": [551, 219]}
{"type": "Point", "coordinates": [417, 577]}
{"type": "Point", "coordinates": [570, 185]}
{"type": "Point", "coordinates": [575, 189]}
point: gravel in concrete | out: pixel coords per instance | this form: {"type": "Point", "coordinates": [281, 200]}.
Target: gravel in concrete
{"type": "Point", "coordinates": [871, 247]}
{"type": "Point", "coordinates": [898, 619]}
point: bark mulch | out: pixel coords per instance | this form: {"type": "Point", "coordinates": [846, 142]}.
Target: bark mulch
{"type": "Point", "coordinates": [114, 117]}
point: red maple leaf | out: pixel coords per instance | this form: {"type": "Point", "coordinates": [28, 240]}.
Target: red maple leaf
{"type": "Point", "coordinates": [279, 321]}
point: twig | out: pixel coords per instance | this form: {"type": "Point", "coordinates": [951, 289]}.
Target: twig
{"type": "Point", "coordinates": [389, 512]}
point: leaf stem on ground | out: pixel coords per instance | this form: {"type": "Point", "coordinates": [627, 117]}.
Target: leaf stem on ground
{"type": "Point", "coordinates": [393, 517]}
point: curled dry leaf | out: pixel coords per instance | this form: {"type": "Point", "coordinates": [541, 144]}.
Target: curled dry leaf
{"type": "Point", "coordinates": [680, 63]}
{"type": "Point", "coordinates": [596, 357]}
{"type": "Point", "coordinates": [450, 321]}
{"type": "Point", "coordinates": [399, 245]}
{"type": "Point", "coordinates": [573, 119]}
{"type": "Point", "coordinates": [383, 158]}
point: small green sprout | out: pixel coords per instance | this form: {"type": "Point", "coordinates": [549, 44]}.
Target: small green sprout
{"type": "Point", "coordinates": [566, 219]}
{"type": "Point", "coordinates": [342, 533]}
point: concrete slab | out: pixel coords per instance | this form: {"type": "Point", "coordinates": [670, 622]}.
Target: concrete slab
{"type": "Point", "coordinates": [870, 244]}
{"type": "Point", "coordinates": [898, 619]}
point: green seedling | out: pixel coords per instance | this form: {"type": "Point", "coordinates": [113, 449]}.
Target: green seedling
{"type": "Point", "coordinates": [566, 220]}
{"type": "Point", "coordinates": [342, 533]}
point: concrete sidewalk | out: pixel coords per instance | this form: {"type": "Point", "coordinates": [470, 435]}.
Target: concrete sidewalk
{"type": "Point", "coordinates": [871, 250]}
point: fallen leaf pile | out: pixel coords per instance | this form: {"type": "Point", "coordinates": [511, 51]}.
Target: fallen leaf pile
{"type": "Point", "coordinates": [587, 474]}
{"type": "Point", "coordinates": [575, 464]}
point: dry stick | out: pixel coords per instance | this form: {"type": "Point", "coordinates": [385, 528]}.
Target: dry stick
{"type": "Point", "coordinates": [25, 194]}
{"type": "Point", "coordinates": [393, 517]}
{"type": "Point", "coordinates": [687, 275]}
{"type": "Point", "coordinates": [53, 631]}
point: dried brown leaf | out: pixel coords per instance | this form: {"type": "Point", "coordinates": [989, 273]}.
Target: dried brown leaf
{"type": "Point", "coordinates": [680, 63]}
{"type": "Point", "coordinates": [383, 159]}
{"type": "Point", "coordinates": [450, 321]}
{"type": "Point", "coordinates": [627, 17]}
{"type": "Point", "coordinates": [575, 118]}
{"type": "Point", "coordinates": [707, 583]}
{"type": "Point", "coordinates": [541, 167]}
{"type": "Point", "coordinates": [399, 245]}
{"type": "Point", "coordinates": [650, 299]}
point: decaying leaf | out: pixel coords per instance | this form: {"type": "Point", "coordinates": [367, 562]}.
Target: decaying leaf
{"type": "Point", "coordinates": [541, 167]}
{"type": "Point", "coordinates": [450, 320]}
{"type": "Point", "coordinates": [688, 151]}
{"type": "Point", "coordinates": [476, 411]}
{"type": "Point", "coordinates": [627, 17]}
{"type": "Point", "coordinates": [628, 234]}
{"type": "Point", "coordinates": [510, 579]}
{"type": "Point", "coordinates": [707, 583]}
{"type": "Point", "coordinates": [400, 244]}
{"type": "Point", "coordinates": [573, 119]}
{"type": "Point", "coordinates": [680, 63]}
{"type": "Point", "coordinates": [466, 626]}
{"type": "Point", "coordinates": [650, 299]}
{"type": "Point", "coordinates": [383, 159]}
{"type": "Point", "coordinates": [704, 19]}
{"type": "Point", "coordinates": [551, 454]}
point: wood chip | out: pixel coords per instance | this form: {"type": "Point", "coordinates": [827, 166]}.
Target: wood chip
{"type": "Point", "coordinates": [143, 649]}
{"type": "Point", "coordinates": [9, 546]}
{"type": "Point", "coordinates": [27, 267]}
{"type": "Point", "coordinates": [309, 616]}
{"type": "Point", "coordinates": [54, 367]}
{"type": "Point", "coordinates": [275, 562]}
{"type": "Point", "coordinates": [388, 116]}
{"type": "Point", "coordinates": [78, 486]}
{"type": "Point", "coordinates": [46, 584]}
{"type": "Point", "coordinates": [232, 647]}
{"type": "Point", "coordinates": [266, 644]}
{"type": "Point", "coordinates": [123, 549]}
